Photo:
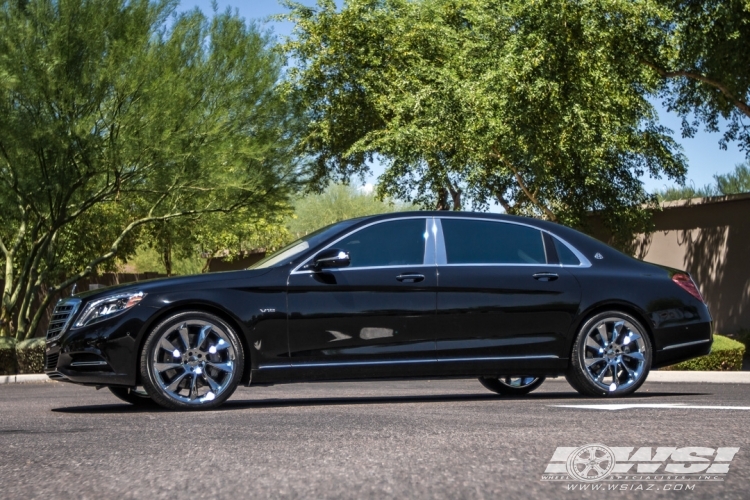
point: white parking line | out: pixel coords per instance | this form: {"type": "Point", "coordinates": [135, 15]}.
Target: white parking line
{"type": "Point", "coordinates": [676, 406]}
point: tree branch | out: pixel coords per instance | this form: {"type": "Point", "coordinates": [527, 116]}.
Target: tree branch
{"type": "Point", "coordinates": [742, 106]}
{"type": "Point", "coordinates": [116, 244]}
{"type": "Point", "coordinates": [532, 198]}
{"type": "Point", "coordinates": [504, 203]}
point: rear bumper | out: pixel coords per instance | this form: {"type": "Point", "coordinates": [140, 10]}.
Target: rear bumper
{"type": "Point", "coordinates": [695, 342]}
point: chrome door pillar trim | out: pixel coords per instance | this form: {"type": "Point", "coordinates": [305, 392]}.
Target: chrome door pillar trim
{"type": "Point", "coordinates": [441, 256]}
{"type": "Point", "coordinates": [430, 244]}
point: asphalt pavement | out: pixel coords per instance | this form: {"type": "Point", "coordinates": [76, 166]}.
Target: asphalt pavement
{"type": "Point", "coordinates": [382, 439]}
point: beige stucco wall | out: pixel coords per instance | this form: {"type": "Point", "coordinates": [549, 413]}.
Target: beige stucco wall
{"type": "Point", "coordinates": [710, 238]}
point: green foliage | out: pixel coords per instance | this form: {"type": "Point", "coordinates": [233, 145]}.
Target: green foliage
{"type": "Point", "coordinates": [686, 192]}
{"type": "Point", "coordinates": [118, 116]}
{"type": "Point", "coordinates": [30, 355]}
{"type": "Point", "coordinates": [541, 106]}
{"type": "Point", "coordinates": [736, 182]}
{"type": "Point", "coordinates": [147, 259]}
{"type": "Point", "coordinates": [7, 356]}
{"type": "Point", "coordinates": [338, 202]}
{"type": "Point", "coordinates": [726, 355]}
{"type": "Point", "coordinates": [743, 336]}
{"type": "Point", "coordinates": [702, 57]}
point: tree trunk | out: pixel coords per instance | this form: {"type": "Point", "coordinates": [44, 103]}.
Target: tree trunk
{"type": "Point", "coordinates": [45, 302]}
{"type": "Point", "coordinates": [442, 196]}
{"type": "Point", "coordinates": [167, 258]}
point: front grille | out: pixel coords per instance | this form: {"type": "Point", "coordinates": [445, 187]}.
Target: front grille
{"type": "Point", "coordinates": [61, 316]}
{"type": "Point", "coordinates": [51, 362]}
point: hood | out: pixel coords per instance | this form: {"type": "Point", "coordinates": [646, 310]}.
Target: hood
{"type": "Point", "coordinates": [186, 281]}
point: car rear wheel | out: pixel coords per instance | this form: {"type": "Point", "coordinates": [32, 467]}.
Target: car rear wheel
{"type": "Point", "coordinates": [517, 385]}
{"type": "Point", "coordinates": [192, 361]}
{"type": "Point", "coordinates": [611, 356]}
{"type": "Point", "coordinates": [133, 395]}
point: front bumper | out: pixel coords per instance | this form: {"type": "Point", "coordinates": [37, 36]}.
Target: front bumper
{"type": "Point", "coordinates": [102, 354]}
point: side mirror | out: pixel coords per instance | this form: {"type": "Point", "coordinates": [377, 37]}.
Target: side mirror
{"type": "Point", "coordinates": [331, 258]}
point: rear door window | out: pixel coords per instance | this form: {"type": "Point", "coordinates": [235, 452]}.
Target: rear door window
{"type": "Point", "coordinates": [486, 242]}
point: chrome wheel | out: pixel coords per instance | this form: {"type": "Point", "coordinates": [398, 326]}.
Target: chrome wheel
{"type": "Point", "coordinates": [193, 362]}
{"type": "Point", "coordinates": [517, 381]}
{"type": "Point", "coordinates": [511, 385]}
{"type": "Point", "coordinates": [614, 353]}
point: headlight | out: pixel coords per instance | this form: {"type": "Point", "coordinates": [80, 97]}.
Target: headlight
{"type": "Point", "coordinates": [108, 307]}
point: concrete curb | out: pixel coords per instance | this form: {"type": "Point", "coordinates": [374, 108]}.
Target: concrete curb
{"type": "Point", "coordinates": [700, 377]}
{"type": "Point", "coordinates": [34, 378]}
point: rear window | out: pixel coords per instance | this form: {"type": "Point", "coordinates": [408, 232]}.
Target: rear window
{"type": "Point", "coordinates": [487, 242]}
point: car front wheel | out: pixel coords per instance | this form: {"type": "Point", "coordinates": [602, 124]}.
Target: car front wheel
{"type": "Point", "coordinates": [192, 361]}
{"type": "Point", "coordinates": [611, 356]}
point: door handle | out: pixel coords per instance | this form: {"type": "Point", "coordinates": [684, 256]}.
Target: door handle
{"type": "Point", "coordinates": [410, 278]}
{"type": "Point", "coordinates": [545, 276]}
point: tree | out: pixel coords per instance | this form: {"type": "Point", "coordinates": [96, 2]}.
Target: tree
{"type": "Point", "coordinates": [336, 203]}
{"type": "Point", "coordinates": [702, 59]}
{"type": "Point", "coordinates": [115, 117]}
{"type": "Point", "coordinates": [736, 182]}
{"type": "Point", "coordinates": [541, 106]}
{"type": "Point", "coordinates": [220, 235]}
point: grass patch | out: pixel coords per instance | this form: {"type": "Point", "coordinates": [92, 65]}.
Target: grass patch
{"type": "Point", "coordinates": [726, 355]}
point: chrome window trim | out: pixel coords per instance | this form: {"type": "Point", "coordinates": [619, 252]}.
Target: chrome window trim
{"type": "Point", "coordinates": [404, 361]}
{"type": "Point", "coordinates": [344, 269]}
{"type": "Point", "coordinates": [440, 256]}
{"type": "Point", "coordinates": [584, 261]}
{"type": "Point", "coordinates": [686, 344]}
{"type": "Point", "coordinates": [425, 217]}
{"type": "Point", "coordinates": [486, 264]}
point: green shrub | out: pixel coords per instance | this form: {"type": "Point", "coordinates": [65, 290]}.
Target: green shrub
{"type": "Point", "coordinates": [726, 355]}
{"type": "Point", "coordinates": [30, 356]}
{"type": "Point", "coordinates": [7, 356]}
{"type": "Point", "coordinates": [743, 335]}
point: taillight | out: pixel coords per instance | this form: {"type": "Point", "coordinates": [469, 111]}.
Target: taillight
{"type": "Point", "coordinates": [686, 283]}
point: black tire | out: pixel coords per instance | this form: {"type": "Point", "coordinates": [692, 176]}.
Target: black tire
{"type": "Point", "coordinates": [133, 396]}
{"type": "Point", "coordinates": [506, 387]}
{"type": "Point", "coordinates": [584, 380]}
{"type": "Point", "coordinates": [196, 367]}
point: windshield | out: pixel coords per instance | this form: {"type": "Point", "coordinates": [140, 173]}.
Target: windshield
{"type": "Point", "coordinates": [289, 252]}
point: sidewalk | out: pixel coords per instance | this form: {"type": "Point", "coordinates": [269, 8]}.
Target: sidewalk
{"type": "Point", "coordinates": [740, 377]}
{"type": "Point", "coordinates": [36, 378]}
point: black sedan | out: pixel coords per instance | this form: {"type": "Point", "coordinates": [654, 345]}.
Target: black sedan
{"type": "Point", "coordinates": [506, 299]}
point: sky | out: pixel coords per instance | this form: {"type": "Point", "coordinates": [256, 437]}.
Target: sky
{"type": "Point", "coordinates": [705, 157]}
